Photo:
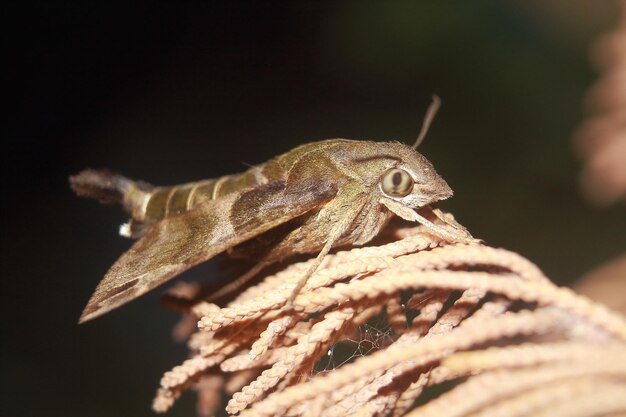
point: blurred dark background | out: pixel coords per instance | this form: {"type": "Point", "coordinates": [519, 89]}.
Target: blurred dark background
{"type": "Point", "coordinates": [182, 91]}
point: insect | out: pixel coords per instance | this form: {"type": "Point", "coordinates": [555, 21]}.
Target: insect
{"type": "Point", "coordinates": [309, 200]}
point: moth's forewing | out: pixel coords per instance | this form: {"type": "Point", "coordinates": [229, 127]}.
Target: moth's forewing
{"type": "Point", "coordinates": [175, 244]}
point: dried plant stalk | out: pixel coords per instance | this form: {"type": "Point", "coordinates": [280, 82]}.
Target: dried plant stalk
{"type": "Point", "coordinates": [601, 140]}
{"type": "Point", "coordinates": [440, 312]}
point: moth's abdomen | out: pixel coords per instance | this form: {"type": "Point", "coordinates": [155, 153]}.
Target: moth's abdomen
{"type": "Point", "coordinates": [165, 201]}
{"type": "Point", "coordinates": [170, 201]}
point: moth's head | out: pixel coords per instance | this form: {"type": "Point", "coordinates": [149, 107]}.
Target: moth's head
{"type": "Point", "coordinates": [410, 179]}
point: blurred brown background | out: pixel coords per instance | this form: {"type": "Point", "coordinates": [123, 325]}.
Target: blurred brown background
{"type": "Point", "coordinates": [177, 92]}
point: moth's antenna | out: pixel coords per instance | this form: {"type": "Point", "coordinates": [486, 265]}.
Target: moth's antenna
{"type": "Point", "coordinates": [430, 115]}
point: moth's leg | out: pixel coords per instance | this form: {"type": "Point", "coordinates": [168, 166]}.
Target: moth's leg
{"type": "Point", "coordinates": [341, 225]}
{"type": "Point", "coordinates": [454, 235]}
{"type": "Point", "coordinates": [268, 260]}
{"type": "Point", "coordinates": [311, 270]}
{"type": "Point", "coordinates": [449, 219]}
{"type": "Point", "coordinates": [282, 250]}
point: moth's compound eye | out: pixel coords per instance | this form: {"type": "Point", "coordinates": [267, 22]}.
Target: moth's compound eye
{"type": "Point", "coordinates": [397, 183]}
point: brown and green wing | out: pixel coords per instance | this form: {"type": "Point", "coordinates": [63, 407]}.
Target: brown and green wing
{"type": "Point", "coordinates": [175, 244]}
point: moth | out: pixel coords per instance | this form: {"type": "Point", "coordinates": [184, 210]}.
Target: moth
{"type": "Point", "coordinates": [316, 197]}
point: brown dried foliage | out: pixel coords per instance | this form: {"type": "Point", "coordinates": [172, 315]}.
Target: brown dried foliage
{"type": "Point", "coordinates": [463, 330]}
{"type": "Point", "coordinates": [601, 140]}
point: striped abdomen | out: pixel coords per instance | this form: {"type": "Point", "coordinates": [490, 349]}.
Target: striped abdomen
{"type": "Point", "coordinates": [148, 204]}
{"type": "Point", "coordinates": [168, 201]}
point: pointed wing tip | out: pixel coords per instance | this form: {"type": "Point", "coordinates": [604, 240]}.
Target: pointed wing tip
{"type": "Point", "coordinates": [97, 306]}
{"type": "Point", "coordinates": [89, 313]}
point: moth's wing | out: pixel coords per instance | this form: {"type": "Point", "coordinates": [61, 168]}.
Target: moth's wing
{"type": "Point", "coordinates": [176, 244]}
